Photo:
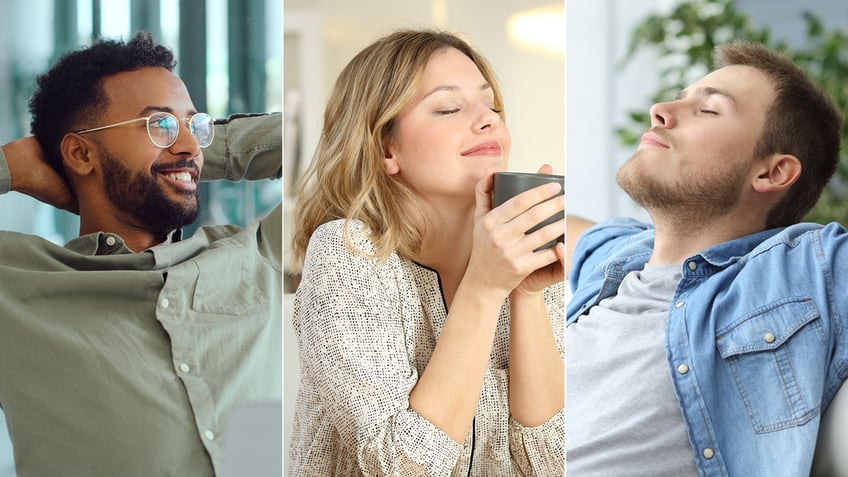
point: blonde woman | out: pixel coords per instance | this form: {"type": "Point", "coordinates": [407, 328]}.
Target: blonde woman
{"type": "Point", "coordinates": [430, 333]}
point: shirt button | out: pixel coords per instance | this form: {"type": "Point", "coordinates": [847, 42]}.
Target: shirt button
{"type": "Point", "coordinates": [165, 303]}
{"type": "Point", "coordinates": [683, 369]}
{"type": "Point", "coordinates": [708, 453]}
{"type": "Point", "coordinates": [110, 241]}
{"type": "Point", "coordinates": [680, 304]}
{"type": "Point", "coordinates": [185, 368]}
{"type": "Point", "coordinates": [692, 266]}
{"type": "Point", "coordinates": [769, 337]}
{"type": "Point", "coordinates": [209, 435]}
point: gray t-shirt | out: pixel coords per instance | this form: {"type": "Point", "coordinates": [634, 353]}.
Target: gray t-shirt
{"type": "Point", "coordinates": [622, 417]}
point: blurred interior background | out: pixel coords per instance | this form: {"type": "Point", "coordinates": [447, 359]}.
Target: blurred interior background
{"type": "Point", "coordinates": [229, 54]}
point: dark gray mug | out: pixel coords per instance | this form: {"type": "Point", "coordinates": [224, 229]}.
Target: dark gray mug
{"type": "Point", "coordinates": [509, 184]}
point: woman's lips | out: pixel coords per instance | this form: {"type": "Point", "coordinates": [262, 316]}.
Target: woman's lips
{"type": "Point", "coordinates": [488, 148]}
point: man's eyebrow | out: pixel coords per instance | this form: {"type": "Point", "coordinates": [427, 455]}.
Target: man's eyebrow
{"type": "Point", "coordinates": [707, 91]}
{"type": "Point", "coordinates": [453, 88]}
{"type": "Point", "coordinates": [162, 109]}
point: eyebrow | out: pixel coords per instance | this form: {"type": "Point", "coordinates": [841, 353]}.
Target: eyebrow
{"type": "Point", "coordinates": [707, 91]}
{"type": "Point", "coordinates": [157, 109]}
{"type": "Point", "coordinates": [451, 88]}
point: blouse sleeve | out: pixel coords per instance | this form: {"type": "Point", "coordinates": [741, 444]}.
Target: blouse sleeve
{"type": "Point", "coordinates": [540, 450]}
{"type": "Point", "coordinates": [352, 346]}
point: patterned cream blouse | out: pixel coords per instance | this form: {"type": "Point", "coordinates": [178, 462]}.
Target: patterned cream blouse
{"type": "Point", "coordinates": [366, 331]}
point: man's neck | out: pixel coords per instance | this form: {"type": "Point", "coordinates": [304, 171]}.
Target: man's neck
{"type": "Point", "coordinates": [677, 239]}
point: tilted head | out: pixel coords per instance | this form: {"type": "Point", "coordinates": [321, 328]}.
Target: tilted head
{"type": "Point", "coordinates": [346, 178]}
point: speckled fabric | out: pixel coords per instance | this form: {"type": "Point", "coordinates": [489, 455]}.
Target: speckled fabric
{"type": "Point", "coordinates": [366, 331]}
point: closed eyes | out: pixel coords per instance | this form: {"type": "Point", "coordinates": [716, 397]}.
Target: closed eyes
{"type": "Point", "coordinates": [445, 112]}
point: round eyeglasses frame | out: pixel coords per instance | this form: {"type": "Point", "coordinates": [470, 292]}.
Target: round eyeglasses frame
{"type": "Point", "coordinates": [202, 139]}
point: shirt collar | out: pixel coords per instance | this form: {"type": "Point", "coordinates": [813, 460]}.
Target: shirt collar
{"type": "Point", "coordinates": [104, 243]}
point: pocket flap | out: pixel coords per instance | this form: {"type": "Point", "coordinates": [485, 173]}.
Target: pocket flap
{"type": "Point", "coordinates": [766, 328]}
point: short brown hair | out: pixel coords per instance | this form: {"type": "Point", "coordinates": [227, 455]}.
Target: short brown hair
{"type": "Point", "coordinates": [345, 179]}
{"type": "Point", "coordinates": [802, 121]}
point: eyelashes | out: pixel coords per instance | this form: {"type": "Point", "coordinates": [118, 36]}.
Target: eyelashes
{"type": "Point", "coordinates": [446, 112]}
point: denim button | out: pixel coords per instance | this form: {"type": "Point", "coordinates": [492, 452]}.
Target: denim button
{"type": "Point", "coordinates": [708, 453]}
{"type": "Point", "coordinates": [769, 337]}
{"type": "Point", "coordinates": [680, 304]}
{"type": "Point", "coordinates": [692, 266]}
{"type": "Point", "coordinates": [683, 369]}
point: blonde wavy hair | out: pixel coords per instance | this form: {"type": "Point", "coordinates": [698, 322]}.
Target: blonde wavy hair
{"type": "Point", "coordinates": [346, 179]}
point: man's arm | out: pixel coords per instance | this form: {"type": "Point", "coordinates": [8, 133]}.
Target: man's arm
{"type": "Point", "coordinates": [574, 227]}
{"type": "Point", "coordinates": [24, 169]}
{"type": "Point", "coordinates": [245, 147]}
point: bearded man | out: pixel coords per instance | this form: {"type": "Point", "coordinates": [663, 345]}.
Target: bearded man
{"type": "Point", "coordinates": [124, 351]}
{"type": "Point", "coordinates": [711, 341]}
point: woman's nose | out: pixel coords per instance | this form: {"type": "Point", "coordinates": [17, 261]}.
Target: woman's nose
{"type": "Point", "coordinates": [487, 119]}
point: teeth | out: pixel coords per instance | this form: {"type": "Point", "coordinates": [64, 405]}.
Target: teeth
{"type": "Point", "coordinates": [179, 176]}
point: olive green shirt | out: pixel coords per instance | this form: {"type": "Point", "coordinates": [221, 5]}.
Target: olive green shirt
{"type": "Point", "coordinates": [114, 363]}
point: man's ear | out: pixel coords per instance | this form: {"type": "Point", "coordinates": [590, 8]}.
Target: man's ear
{"type": "Point", "coordinates": [77, 154]}
{"type": "Point", "coordinates": [777, 172]}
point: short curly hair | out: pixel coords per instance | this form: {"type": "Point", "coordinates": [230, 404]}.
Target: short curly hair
{"type": "Point", "coordinates": [71, 92]}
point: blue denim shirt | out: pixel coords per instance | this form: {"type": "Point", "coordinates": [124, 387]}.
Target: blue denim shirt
{"type": "Point", "coordinates": [756, 337]}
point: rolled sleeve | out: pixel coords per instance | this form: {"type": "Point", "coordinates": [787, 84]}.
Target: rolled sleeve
{"type": "Point", "coordinates": [245, 147]}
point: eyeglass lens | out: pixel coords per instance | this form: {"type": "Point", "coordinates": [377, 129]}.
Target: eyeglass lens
{"type": "Point", "coordinates": [165, 127]}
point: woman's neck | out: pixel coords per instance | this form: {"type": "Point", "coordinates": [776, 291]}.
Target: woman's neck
{"type": "Point", "coordinates": [446, 246]}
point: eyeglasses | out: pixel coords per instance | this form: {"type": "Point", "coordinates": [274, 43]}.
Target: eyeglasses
{"type": "Point", "coordinates": [164, 128]}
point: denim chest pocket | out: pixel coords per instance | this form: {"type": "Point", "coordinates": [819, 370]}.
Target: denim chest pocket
{"type": "Point", "coordinates": [776, 355]}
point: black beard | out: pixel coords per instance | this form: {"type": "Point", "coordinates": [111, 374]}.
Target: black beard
{"type": "Point", "coordinates": [141, 197]}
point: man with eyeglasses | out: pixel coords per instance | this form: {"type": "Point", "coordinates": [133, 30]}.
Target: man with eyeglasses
{"type": "Point", "coordinates": [123, 352]}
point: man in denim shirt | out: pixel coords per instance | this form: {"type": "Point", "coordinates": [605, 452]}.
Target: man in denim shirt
{"type": "Point", "coordinates": [712, 341]}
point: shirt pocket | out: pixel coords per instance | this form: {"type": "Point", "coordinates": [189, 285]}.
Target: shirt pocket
{"type": "Point", "coordinates": [776, 357]}
{"type": "Point", "coordinates": [230, 284]}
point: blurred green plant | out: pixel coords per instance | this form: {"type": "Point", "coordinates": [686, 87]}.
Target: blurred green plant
{"type": "Point", "coordinates": [683, 40]}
